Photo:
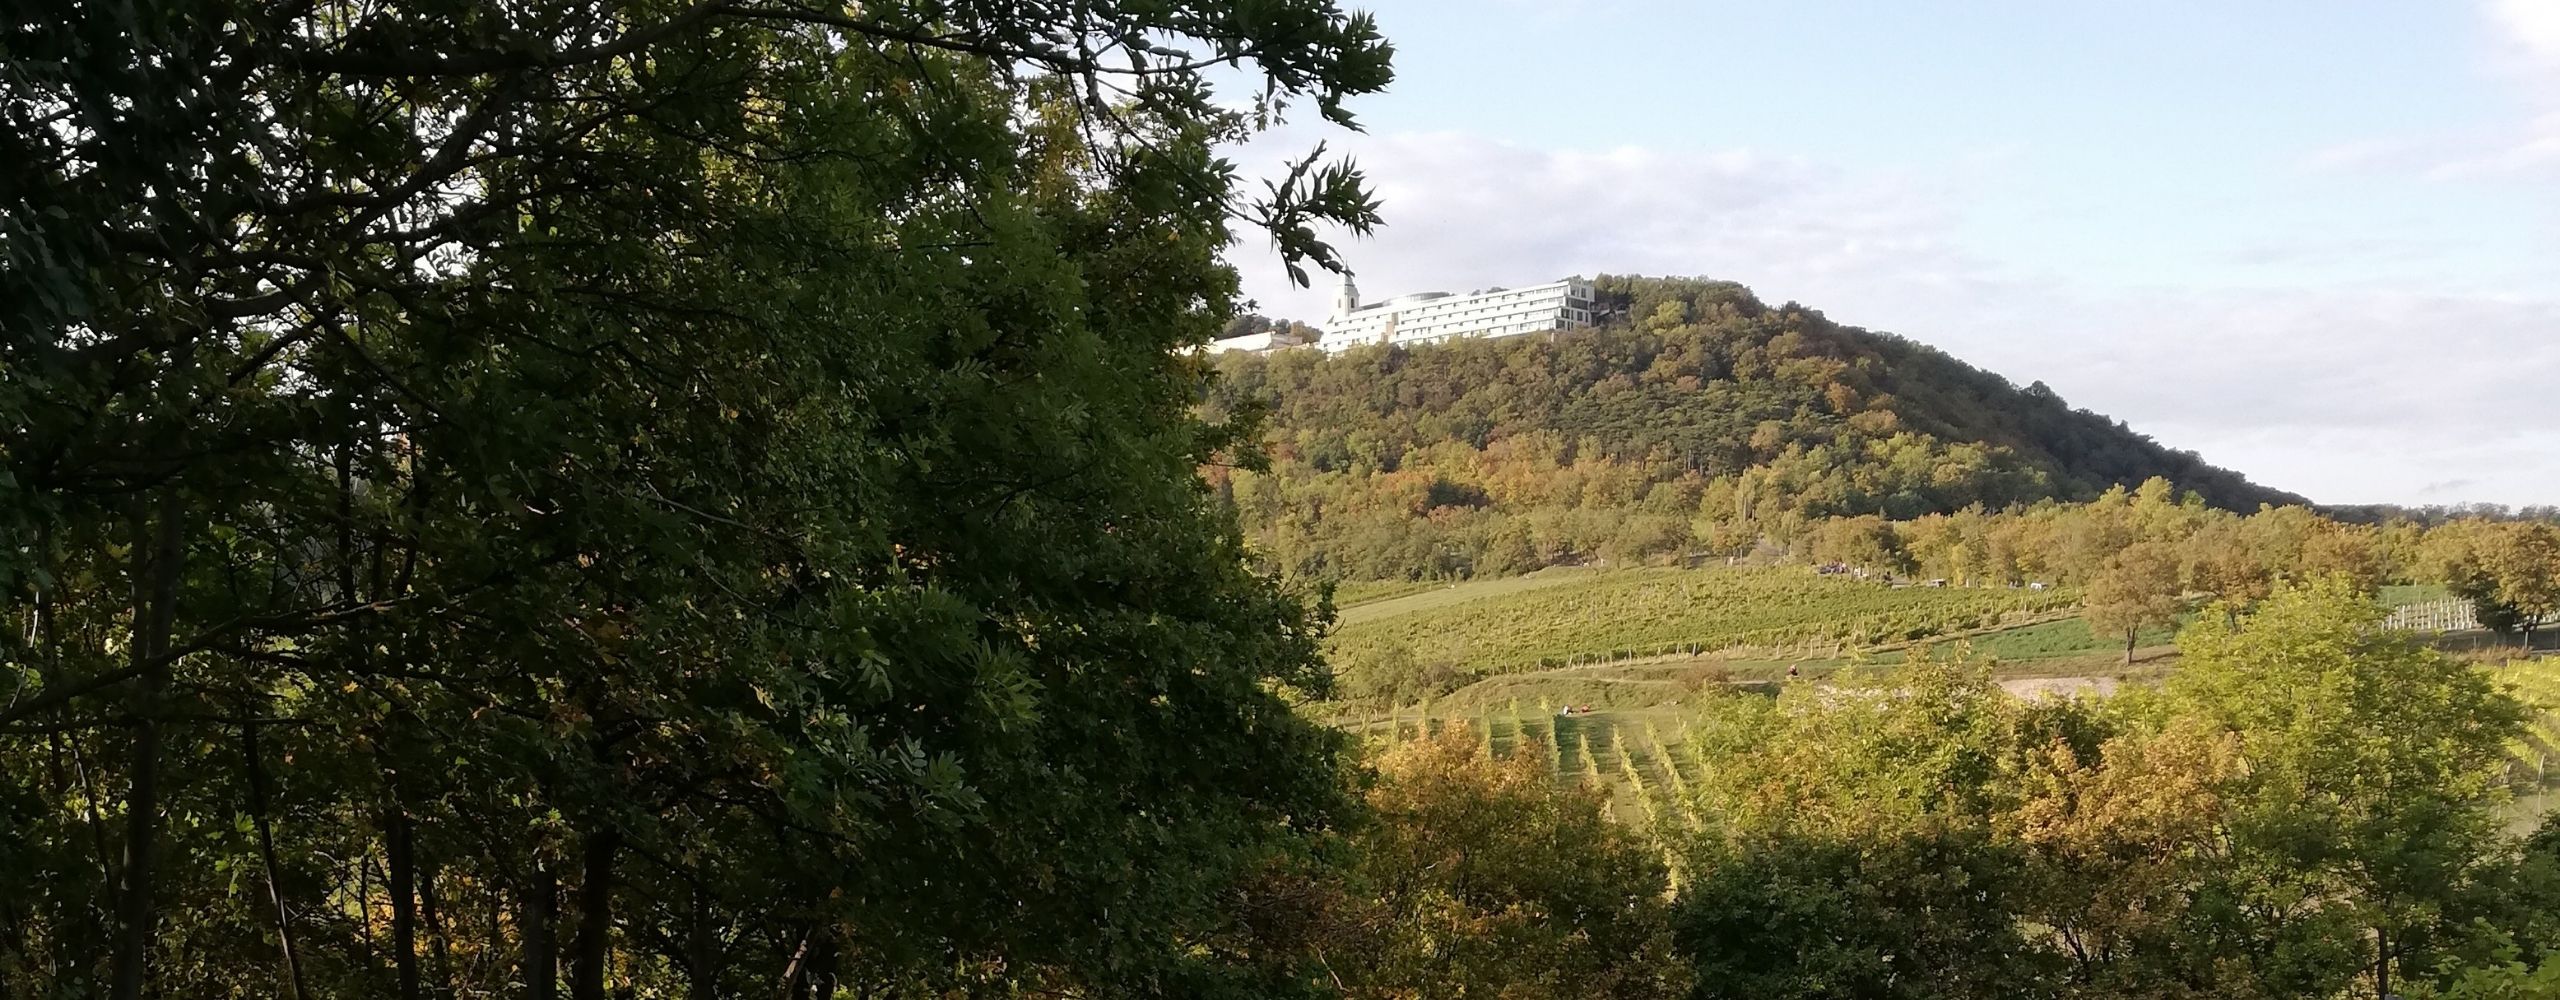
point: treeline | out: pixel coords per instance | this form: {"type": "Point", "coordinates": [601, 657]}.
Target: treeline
{"type": "Point", "coordinates": [2434, 514]}
{"type": "Point", "coordinates": [1696, 416]}
{"type": "Point", "coordinates": [2312, 806]}
{"type": "Point", "coordinates": [2140, 554]}
{"type": "Point", "coordinates": [1286, 330]}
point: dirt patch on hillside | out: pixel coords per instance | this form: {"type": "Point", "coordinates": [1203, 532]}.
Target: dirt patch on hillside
{"type": "Point", "coordinates": [2059, 687]}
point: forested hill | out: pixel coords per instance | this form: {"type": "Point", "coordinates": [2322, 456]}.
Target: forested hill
{"type": "Point", "coordinates": [1694, 404]}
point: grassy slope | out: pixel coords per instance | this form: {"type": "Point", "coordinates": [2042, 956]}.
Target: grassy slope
{"type": "Point", "coordinates": [1560, 617]}
{"type": "Point", "coordinates": [1425, 597]}
{"type": "Point", "coordinates": [2399, 594]}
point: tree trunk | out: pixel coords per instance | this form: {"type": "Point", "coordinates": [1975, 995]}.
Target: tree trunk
{"type": "Point", "coordinates": [76, 930]}
{"type": "Point", "coordinates": [540, 917]}
{"type": "Point", "coordinates": [822, 970]}
{"type": "Point", "coordinates": [702, 950]}
{"type": "Point", "coordinates": [2382, 963]}
{"type": "Point", "coordinates": [792, 972]}
{"type": "Point", "coordinates": [432, 914]}
{"type": "Point", "coordinates": [155, 610]}
{"type": "Point", "coordinates": [2131, 636]}
{"type": "Point", "coordinates": [134, 911]}
{"type": "Point", "coordinates": [403, 886]}
{"type": "Point", "coordinates": [267, 857]}
{"type": "Point", "coordinates": [364, 898]}
{"type": "Point", "coordinates": [595, 916]}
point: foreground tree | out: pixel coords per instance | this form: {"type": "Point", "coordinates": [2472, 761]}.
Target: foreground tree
{"type": "Point", "coordinates": [1484, 876]}
{"type": "Point", "coordinates": [2118, 846]}
{"type": "Point", "coordinates": [2369, 769]}
{"type": "Point", "coordinates": [663, 496]}
{"type": "Point", "coordinates": [1848, 849]}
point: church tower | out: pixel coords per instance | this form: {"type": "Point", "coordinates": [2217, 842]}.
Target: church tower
{"type": "Point", "coordinates": [1346, 301]}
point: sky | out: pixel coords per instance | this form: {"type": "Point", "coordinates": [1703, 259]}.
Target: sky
{"type": "Point", "coordinates": [2316, 242]}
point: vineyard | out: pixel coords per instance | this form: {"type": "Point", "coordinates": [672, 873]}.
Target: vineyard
{"type": "Point", "coordinates": [1642, 758]}
{"type": "Point", "coordinates": [2537, 754]}
{"type": "Point", "coordinates": [1637, 613]}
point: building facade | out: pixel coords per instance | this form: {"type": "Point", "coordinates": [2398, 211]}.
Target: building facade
{"type": "Point", "coordinates": [1252, 343]}
{"type": "Point", "coordinates": [1432, 317]}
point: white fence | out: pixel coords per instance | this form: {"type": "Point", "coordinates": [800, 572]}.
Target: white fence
{"type": "Point", "coordinates": [2450, 614]}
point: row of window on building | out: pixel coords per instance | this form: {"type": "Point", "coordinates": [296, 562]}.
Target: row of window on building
{"type": "Point", "coordinates": [1435, 318]}
{"type": "Point", "coordinates": [1432, 318]}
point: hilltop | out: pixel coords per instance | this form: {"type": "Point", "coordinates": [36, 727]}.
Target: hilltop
{"type": "Point", "coordinates": [1693, 416]}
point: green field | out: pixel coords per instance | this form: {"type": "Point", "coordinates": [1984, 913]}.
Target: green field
{"type": "Point", "coordinates": [1560, 619]}
{"type": "Point", "coordinates": [1398, 599]}
{"type": "Point", "coordinates": [2398, 594]}
{"type": "Point", "coordinates": [2067, 637]}
{"type": "Point", "coordinates": [1355, 593]}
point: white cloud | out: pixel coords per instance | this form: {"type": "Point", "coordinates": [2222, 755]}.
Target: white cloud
{"type": "Point", "coordinates": [2535, 147]}
{"type": "Point", "coordinates": [2406, 154]}
{"type": "Point", "coordinates": [2530, 33]}
{"type": "Point", "coordinates": [2344, 394]}
{"type": "Point", "coordinates": [2531, 27]}
{"type": "Point", "coordinates": [2509, 149]}
{"type": "Point", "coordinates": [1466, 212]}
{"type": "Point", "coordinates": [2527, 35]}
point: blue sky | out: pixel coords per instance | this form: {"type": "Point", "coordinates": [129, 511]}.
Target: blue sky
{"type": "Point", "coordinates": [2319, 243]}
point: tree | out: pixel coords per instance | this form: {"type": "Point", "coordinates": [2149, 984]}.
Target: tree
{"type": "Point", "coordinates": [1483, 876]}
{"type": "Point", "coordinates": [2221, 562]}
{"type": "Point", "coordinates": [676, 494]}
{"type": "Point", "coordinates": [2118, 847]}
{"type": "Point", "coordinates": [2511, 575]}
{"type": "Point", "coordinates": [1848, 849]}
{"type": "Point", "coordinates": [1865, 542]}
{"type": "Point", "coordinates": [2370, 766]}
{"type": "Point", "coordinates": [2342, 550]}
{"type": "Point", "coordinates": [2137, 589]}
{"type": "Point", "coordinates": [1916, 914]}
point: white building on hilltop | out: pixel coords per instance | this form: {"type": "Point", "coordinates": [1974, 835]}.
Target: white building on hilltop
{"type": "Point", "coordinates": [1251, 343]}
{"type": "Point", "coordinates": [1431, 317]}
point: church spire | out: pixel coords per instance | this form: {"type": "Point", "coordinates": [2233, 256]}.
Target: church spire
{"type": "Point", "coordinates": [1346, 301]}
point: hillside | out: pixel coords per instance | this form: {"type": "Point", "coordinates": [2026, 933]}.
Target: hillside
{"type": "Point", "coordinates": [1693, 418]}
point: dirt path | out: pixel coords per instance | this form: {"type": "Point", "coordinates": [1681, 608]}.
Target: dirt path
{"type": "Point", "coordinates": [2062, 687]}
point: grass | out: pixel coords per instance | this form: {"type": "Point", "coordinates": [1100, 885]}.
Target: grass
{"type": "Point", "coordinates": [1412, 598]}
{"type": "Point", "coordinates": [2068, 637]}
{"type": "Point", "coordinates": [2400, 594]}
{"type": "Point", "coordinates": [1354, 593]}
{"type": "Point", "coordinates": [1564, 617]}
